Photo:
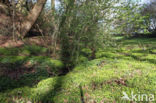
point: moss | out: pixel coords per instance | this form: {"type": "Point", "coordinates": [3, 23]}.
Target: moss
{"type": "Point", "coordinates": [7, 83]}
{"type": "Point", "coordinates": [25, 50]}
{"type": "Point", "coordinates": [33, 49]}
{"type": "Point", "coordinates": [105, 54]}
{"type": "Point", "coordinates": [82, 59]}
{"type": "Point", "coordinates": [9, 51]}
{"type": "Point", "coordinates": [153, 51]}
{"type": "Point", "coordinates": [86, 52]}
{"type": "Point", "coordinates": [103, 79]}
{"type": "Point", "coordinates": [12, 59]}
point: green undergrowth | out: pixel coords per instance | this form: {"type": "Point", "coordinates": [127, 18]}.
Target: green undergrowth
{"type": "Point", "coordinates": [26, 66]}
{"type": "Point", "coordinates": [26, 50]}
{"type": "Point", "coordinates": [129, 67]}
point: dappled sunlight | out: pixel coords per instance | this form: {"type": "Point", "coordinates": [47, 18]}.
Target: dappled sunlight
{"type": "Point", "coordinates": [77, 51]}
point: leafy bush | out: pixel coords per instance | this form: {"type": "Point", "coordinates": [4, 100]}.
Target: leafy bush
{"type": "Point", "coordinates": [82, 59]}
{"type": "Point", "coordinates": [34, 49]}
{"type": "Point", "coordinates": [7, 83]}
{"type": "Point", "coordinates": [86, 52]}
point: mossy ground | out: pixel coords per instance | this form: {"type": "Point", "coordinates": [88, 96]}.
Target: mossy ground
{"type": "Point", "coordinates": [128, 67]}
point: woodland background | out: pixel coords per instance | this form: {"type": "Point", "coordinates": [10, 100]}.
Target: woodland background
{"type": "Point", "coordinates": [77, 51]}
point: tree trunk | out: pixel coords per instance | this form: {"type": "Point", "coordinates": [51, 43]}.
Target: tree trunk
{"type": "Point", "coordinates": [53, 5]}
{"type": "Point", "coordinates": [31, 18]}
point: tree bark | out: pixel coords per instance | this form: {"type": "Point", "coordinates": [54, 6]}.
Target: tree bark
{"type": "Point", "coordinates": [53, 5]}
{"type": "Point", "coordinates": [28, 22]}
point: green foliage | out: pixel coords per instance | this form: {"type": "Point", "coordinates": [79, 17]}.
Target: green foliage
{"type": "Point", "coordinates": [37, 62]}
{"type": "Point", "coordinates": [9, 51]}
{"type": "Point", "coordinates": [127, 68]}
{"type": "Point", "coordinates": [86, 52]}
{"type": "Point", "coordinates": [83, 29]}
{"type": "Point", "coordinates": [130, 18]}
{"type": "Point", "coordinates": [105, 54]}
{"type": "Point", "coordinates": [33, 49]}
{"type": "Point", "coordinates": [80, 27]}
{"type": "Point", "coordinates": [25, 50]}
{"type": "Point", "coordinates": [7, 83]}
{"type": "Point", "coordinates": [54, 66]}
{"type": "Point", "coordinates": [82, 59]}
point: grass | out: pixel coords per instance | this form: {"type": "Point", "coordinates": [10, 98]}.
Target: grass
{"type": "Point", "coordinates": [25, 50]}
{"type": "Point", "coordinates": [128, 67]}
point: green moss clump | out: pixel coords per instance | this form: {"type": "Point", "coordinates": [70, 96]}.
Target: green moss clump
{"type": "Point", "coordinates": [86, 52]}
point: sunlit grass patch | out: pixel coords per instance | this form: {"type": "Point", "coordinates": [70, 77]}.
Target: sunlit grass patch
{"type": "Point", "coordinates": [24, 50]}
{"type": "Point", "coordinates": [129, 68]}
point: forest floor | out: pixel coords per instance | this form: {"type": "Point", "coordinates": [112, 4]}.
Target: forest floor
{"type": "Point", "coordinates": [27, 75]}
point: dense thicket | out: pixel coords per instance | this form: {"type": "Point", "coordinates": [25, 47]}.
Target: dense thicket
{"type": "Point", "coordinates": [78, 24]}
